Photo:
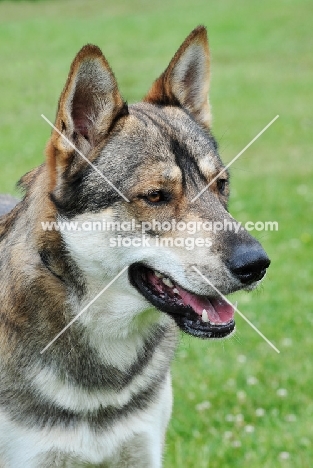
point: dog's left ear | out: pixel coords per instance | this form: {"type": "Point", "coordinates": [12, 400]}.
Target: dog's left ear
{"type": "Point", "coordinates": [89, 105]}
{"type": "Point", "coordinates": [185, 82]}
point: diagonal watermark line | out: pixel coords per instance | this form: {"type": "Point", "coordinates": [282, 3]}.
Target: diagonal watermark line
{"type": "Point", "coordinates": [83, 310]}
{"type": "Point", "coordinates": [84, 157]}
{"type": "Point", "coordinates": [233, 160]}
{"type": "Point", "coordinates": [238, 311]}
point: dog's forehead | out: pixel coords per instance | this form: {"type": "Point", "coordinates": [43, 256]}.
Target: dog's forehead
{"type": "Point", "coordinates": [169, 133]}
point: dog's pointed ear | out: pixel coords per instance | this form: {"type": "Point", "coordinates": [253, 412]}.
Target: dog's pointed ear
{"type": "Point", "coordinates": [185, 82]}
{"type": "Point", "coordinates": [89, 104]}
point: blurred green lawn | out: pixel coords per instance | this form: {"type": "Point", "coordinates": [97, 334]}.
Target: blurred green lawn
{"type": "Point", "coordinates": [237, 403]}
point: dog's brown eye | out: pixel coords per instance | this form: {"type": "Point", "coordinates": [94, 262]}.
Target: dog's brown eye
{"type": "Point", "coordinates": [221, 185]}
{"type": "Point", "coordinates": [156, 196]}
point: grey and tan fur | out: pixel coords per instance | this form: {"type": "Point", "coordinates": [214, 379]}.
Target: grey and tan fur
{"type": "Point", "coordinates": [101, 394]}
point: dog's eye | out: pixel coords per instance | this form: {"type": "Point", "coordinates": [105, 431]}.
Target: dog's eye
{"type": "Point", "coordinates": [221, 185]}
{"type": "Point", "coordinates": [155, 196]}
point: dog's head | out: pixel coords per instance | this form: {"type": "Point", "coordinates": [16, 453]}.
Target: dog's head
{"type": "Point", "coordinates": [145, 165]}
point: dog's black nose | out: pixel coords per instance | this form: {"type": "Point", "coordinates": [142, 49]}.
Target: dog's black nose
{"type": "Point", "coordinates": [249, 264]}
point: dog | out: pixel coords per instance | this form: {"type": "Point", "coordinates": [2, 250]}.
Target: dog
{"type": "Point", "coordinates": [89, 325]}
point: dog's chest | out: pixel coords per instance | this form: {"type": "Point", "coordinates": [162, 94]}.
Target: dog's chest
{"type": "Point", "coordinates": [70, 425]}
{"type": "Point", "coordinates": [92, 412]}
{"type": "Point", "coordinates": [82, 445]}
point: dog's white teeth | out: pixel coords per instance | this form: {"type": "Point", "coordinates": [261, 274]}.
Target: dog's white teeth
{"type": "Point", "coordinates": [205, 317]}
{"type": "Point", "coordinates": [167, 282]}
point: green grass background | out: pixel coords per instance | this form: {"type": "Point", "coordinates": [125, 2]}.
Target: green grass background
{"type": "Point", "coordinates": [237, 403]}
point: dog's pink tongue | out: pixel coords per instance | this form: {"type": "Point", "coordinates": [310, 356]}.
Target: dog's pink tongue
{"type": "Point", "coordinates": [219, 311]}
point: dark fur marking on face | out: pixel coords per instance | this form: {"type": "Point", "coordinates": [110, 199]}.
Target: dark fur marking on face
{"type": "Point", "coordinates": [80, 197]}
{"type": "Point", "coordinates": [187, 164]}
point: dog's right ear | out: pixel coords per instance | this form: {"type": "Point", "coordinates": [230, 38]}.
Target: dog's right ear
{"type": "Point", "coordinates": [88, 106]}
{"type": "Point", "coordinates": [185, 82]}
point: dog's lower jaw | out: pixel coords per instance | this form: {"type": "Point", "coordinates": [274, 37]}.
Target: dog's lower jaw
{"type": "Point", "coordinates": [201, 316]}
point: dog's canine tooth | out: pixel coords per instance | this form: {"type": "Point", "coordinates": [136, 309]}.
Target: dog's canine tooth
{"type": "Point", "coordinates": [157, 274]}
{"type": "Point", "coordinates": [205, 317]}
{"type": "Point", "coordinates": [167, 282]}
{"type": "Point", "coordinates": [175, 291]}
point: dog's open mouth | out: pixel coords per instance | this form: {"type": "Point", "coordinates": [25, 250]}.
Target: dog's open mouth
{"type": "Point", "coordinates": [201, 316]}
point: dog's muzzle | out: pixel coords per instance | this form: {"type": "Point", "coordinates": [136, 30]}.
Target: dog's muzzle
{"type": "Point", "coordinates": [197, 315]}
